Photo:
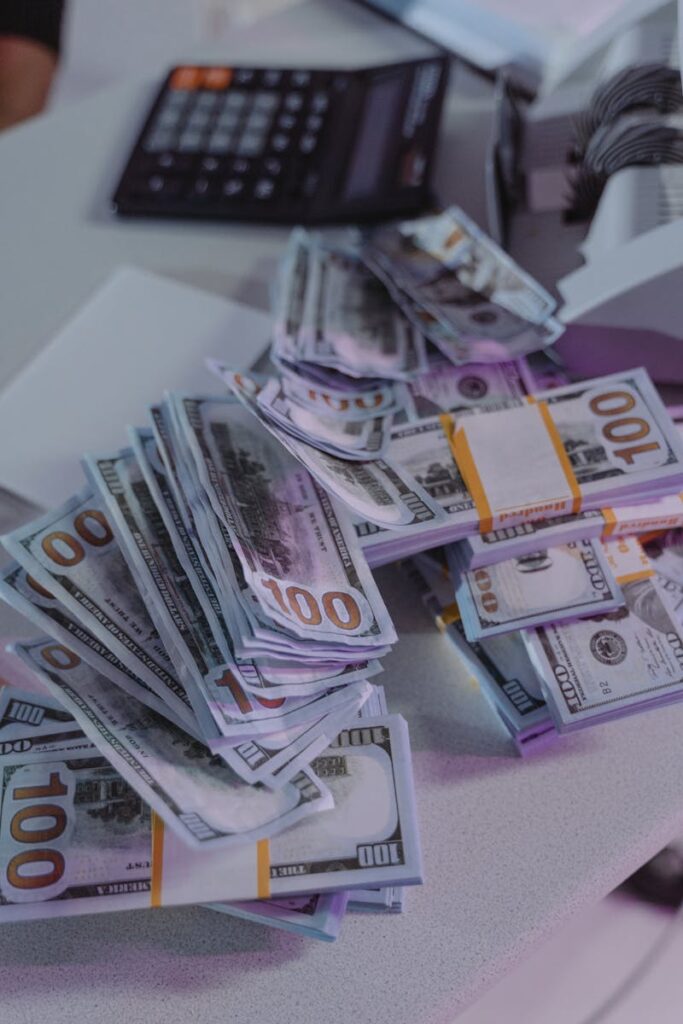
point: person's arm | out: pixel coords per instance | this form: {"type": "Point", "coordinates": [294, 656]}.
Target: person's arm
{"type": "Point", "coordinates": [29, 51]}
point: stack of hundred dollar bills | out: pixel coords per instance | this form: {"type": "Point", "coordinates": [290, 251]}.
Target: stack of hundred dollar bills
{"type": "Point", "coordinates": [210, 629]}
{"type": "Point", "coordinates": [204, 724]}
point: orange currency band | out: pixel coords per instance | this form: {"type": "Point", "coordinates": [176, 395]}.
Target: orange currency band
{"type": "Point", "coordinates": [460, 450]}
{"type": "Point", "coordinates": [633, 577]}
{"type": "Point", "coordinates": [157, 859]}
{"type": "Point", "coordinates": [610, 522]}
{"type": "Point", "coordinates": [263, 869]}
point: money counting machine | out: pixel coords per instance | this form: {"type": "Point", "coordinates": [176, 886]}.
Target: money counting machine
{"type": "Point", "coordinates": [584, 186]}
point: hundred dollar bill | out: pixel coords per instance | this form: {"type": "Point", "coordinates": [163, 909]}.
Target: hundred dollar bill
{"type": "Point", "coordinates": [221, 577]}
{"type": "Point", "coordinates": [451, 271]}
{"type": "Point", "coordinates": [49, 616]}
{"type": "Point", "coordinates": [106, 851]}
{"type": "Point", "coordinates": [448, 388]}
{"type": "Point", "coordinates": [482, 549]}
{"type": "Point", "coordinates": [351, 323]}
{"type": "Point", "coordinates": [319, 916]}
{"type": "Point", "coordinates": [159, 574]}
{"type": "Point", "coordinates": [297, 553]}
{"type": "Point", "coordinates": [616, 435]}
{"type": "Point", "coordinates": [32, 723]}
{"type": "Point", "coordinates": [666, 556]}
{"type": "Point", "coordinates": [260, 677]}
{"type": "Point", "coordinates": [72, 554]}
{"type": "Point", "coordinates": [663, 513]}
{"type": "Point", "coordinates": [351, 439]}
{"type": "Point", "coordinates": [610, 665]}
{"type": "Point", "coordinates": [381, 399]}
{"type": "Point", "coordinates": [195, 793]}
{"type": "Point", "coordinates": [343, 404]}
{"type": "Point", "coordinates": [378, 491]}
{"type": "Point", "coordinates": [290, 295]}
{"type": "Point", "coordinates": [264, 748]}
{"type": "Point", "coordinates": [550, 585]}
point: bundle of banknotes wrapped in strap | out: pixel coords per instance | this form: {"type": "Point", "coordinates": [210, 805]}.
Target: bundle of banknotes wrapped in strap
{"type": "Point", "coordinates": [201, 725]}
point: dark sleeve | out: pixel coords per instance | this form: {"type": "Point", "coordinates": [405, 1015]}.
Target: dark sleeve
{"type": "Point", "coordinates": [40, 20]}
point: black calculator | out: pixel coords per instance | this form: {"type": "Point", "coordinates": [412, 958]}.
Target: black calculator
{"type": "Point", "coordinates": [287, 145]}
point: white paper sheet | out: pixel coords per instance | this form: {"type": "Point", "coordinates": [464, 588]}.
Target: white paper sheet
{"type": "Point", "coordinates": [139, 335]}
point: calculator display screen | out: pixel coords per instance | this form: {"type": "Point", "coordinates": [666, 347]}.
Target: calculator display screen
{"type": "Point", "coordinates": [377, 121]}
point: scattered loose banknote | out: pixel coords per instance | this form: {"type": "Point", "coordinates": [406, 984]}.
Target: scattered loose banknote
{"type": "Point", "coordinates": [464, 292]}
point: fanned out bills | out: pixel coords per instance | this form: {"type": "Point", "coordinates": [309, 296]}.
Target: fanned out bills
{"type": "Point", "coordinates": [333, 313]}
{"type": "Point", "coordinates": [193, 791]}
{"type": "Point", "coordinates": [466, 294]}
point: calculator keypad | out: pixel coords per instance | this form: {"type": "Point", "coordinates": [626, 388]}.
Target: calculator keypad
{"type": "Point", "coordinates": [229, 135]}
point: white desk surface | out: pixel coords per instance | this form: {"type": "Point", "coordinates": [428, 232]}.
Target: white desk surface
{"type": "Point", "coordinates": [510, 847]}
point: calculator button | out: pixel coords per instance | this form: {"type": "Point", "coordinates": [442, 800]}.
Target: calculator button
{"type": "Point", "coordinates": [217, 78]}
{"type": "Point", "coordinates": [205, 101]}
{"type": "Point", "coordinates": [257, 122]}
{"type": "Point", "coordinates": [310, 184]}
{"type": "Point", "coordinates": [294, 101]}
{"type": "Point", "coordinates": [185, 78]}
{"type": "Point", "coordinates": [314, 123]}
{"type": "Point", "coordinates": [157, 141]}
{"type": "Point", "coordinates": [158, 185]}
{"type": "Point", "coordinates": [245, 76]}
{"type": "Point", "coordinates": [176, 100]}
{"type": "Point", "coordinates": [264, 188]}
{"type": "Point", "coordinates": [271, 78]}
{"type": "Point", "coordinates": [286, 121]}
{"type": "Point", "coordinates": [173, 162]}
{"type": "Point", "coordinates": [307, 143]}
{"type": "Point", "coordinates": [234, 100]}
{"type": "Point", "coordinates": [233, 187]}
{"type": "Point", "coordinates": [241, 166]}
{"type": "Point", "coordinates": [280, 142]}
{"type": "Point", "coordinates": [203, 188]}
{"type": "Point", "coordinates": [251, 143]}
{"type": "Point", "coordinates": [266, 101]}
{"type": "Point", "coordinates": [190, 141]}
{"type": "Point", "coordinates": [210, 164]}
{"type": "Point", "coordinates": [340, 83]}
{"type": "Point", "coordinates": [273, 166]}
{"type": "Point", "coordinates": [227, 121]}
{"type": "Point", "coordinates": [301, 79]}
{"type": "Point", "coordinates": [220, 142]}
{"type": "Point", "coordinates": [320, 101]}
{"type": "Point", "coordinates": [198, 120]}
{"type": "Point", "coordinates": [168, 118]}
